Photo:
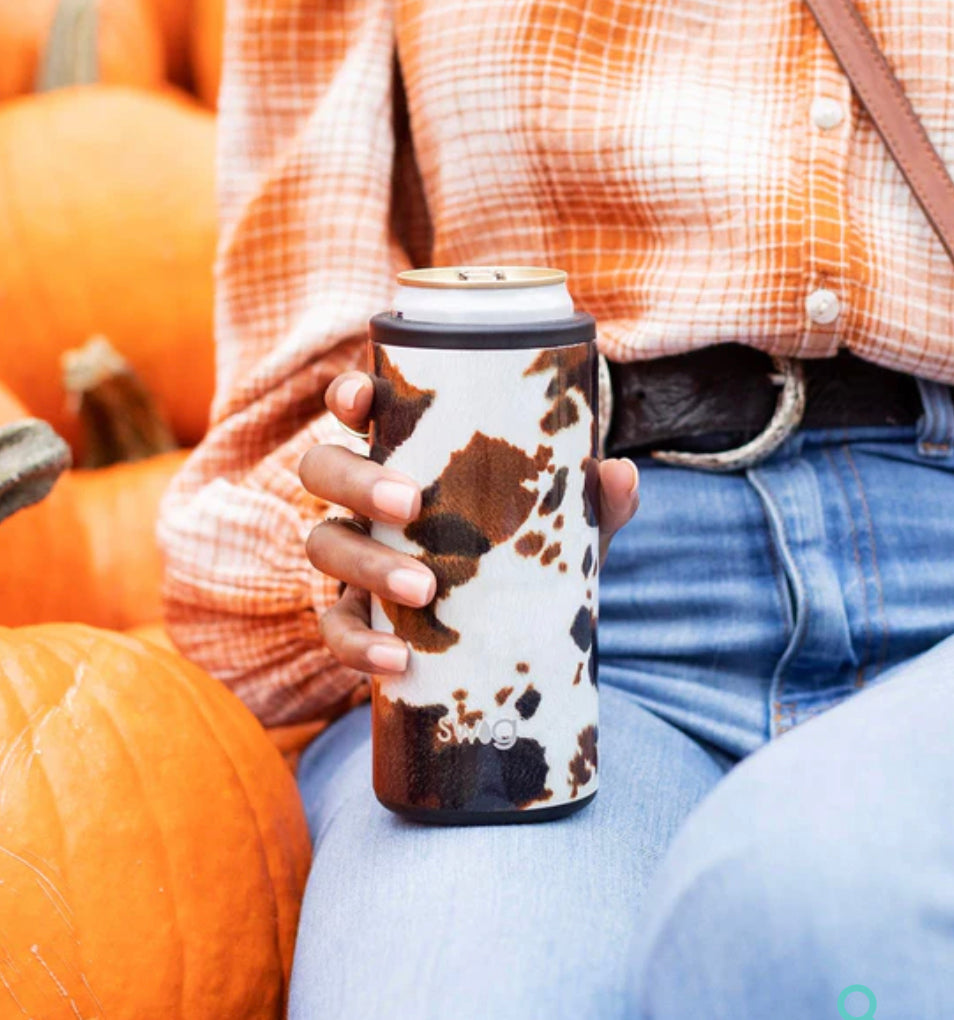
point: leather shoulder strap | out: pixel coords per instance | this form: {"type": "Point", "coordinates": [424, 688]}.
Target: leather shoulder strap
{"type": "Point", "coordinates": [883, 97]}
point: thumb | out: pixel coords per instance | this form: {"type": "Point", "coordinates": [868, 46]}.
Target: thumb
{"type": "Point", "coordinates": [619, 498]}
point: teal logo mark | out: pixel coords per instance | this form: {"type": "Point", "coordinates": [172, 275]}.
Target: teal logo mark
{"type": "Point", "coordinates": [862, 990]}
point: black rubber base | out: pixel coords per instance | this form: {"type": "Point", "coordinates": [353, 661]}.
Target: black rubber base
{"type": "Point", "coordinates": [451, 817]}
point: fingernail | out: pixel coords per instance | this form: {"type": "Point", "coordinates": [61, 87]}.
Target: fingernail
{"type": "Point", "coordinates": [411, 585]}
{"type": "Point", "coordinates": [392, 657]}
{"type": "Point", "coordinates": [623, 503]}
{"type": "Point", "coordinates": [348, 393]}
{"type": "Point", "coordinates": [394, 498]}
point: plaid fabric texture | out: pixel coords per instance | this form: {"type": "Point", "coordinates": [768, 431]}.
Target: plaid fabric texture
{"type": "Point", "coordinates": [670, 156]}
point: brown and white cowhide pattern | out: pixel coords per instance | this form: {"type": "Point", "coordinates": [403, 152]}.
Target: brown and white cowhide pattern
{"type": "Point", "coordinates": [498, 709]}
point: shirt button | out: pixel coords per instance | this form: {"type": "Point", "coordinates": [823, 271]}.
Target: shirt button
{"type": "Point", "coordinates": [827, 113]}
{"type": "Point", "coordinates": [822, 306]}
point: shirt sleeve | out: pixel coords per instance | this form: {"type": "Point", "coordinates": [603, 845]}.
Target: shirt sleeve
{"type": "Point", "coordinates": [307, 253]}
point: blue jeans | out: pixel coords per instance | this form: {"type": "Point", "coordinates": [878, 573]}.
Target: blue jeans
{"type": "Point", "coordinates": [775, 821]}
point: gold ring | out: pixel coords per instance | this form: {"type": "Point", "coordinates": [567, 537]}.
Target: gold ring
{"type": "Point", "coordinates": [353, 432]}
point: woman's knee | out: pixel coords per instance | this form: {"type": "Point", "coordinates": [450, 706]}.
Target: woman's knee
{"type": "Point", "coordinates": [776, 928]}
{"type": "Point", "coordinates": [800, 876]}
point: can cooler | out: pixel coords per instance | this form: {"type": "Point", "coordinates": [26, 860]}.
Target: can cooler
{"type": "Point", "coordinates": [485, 394]}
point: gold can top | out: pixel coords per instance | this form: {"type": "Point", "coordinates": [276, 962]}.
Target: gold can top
{"type": "Point", "coordinates": [482, 277]}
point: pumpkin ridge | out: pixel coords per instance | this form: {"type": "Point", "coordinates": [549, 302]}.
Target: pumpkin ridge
{"type": "Point", "coordinates": [61, 902]}
{"type": "Point", "coordinates": [168, 870]}
{"type": "Point", "coordinates": [8, 754]}
{"type": "Point", "coordinates": [30, 727]}
{"type": "Point", "coordinates": [56, 648]}
{"type": "Point", "coordinates": [45, 882]}
{"type": "Point", "coordinates": [202, 705]}
{"type": "Point", "coordinates": [201, 701]}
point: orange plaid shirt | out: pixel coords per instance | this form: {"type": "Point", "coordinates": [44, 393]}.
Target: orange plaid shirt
{"type": "Point", "coordinates": [699, 168]}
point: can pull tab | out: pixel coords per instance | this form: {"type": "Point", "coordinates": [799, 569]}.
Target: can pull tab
{"type": "Point", "coordinates": [480, 275]}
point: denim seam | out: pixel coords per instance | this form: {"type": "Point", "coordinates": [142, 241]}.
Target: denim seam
{"type": "Point", "coordinates": [856, 547]}
{"type": "Point", "coordinates": [876, 569]}
{"type": "Point", "coordinates": [801, 606]}
{"type": "Point", "coordinates": [783, 588]}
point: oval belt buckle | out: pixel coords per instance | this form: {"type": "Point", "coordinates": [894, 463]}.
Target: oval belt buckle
{"type": "Point", "coordinates": [789, 411]}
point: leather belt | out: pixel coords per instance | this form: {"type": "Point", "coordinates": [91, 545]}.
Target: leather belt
{"type": "Point", "coordinates": [727, 396]}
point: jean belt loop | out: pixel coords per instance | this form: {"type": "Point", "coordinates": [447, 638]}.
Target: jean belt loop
{"type": "Point", "coordinates": [936, 424]}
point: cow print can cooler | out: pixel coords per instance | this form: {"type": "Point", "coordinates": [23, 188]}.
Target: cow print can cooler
{"type": "Point", "coordinates": [485, 393]}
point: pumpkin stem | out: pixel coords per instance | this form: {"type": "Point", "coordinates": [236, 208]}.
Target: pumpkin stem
{"type": "Point", "coordinates": [71, 55]}
{"type": "Point", "coordinates": [32, 457]}
{"type": "Point", "coordinates": [120, 418]}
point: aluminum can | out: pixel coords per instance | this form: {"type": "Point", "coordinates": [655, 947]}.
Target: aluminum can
{"type": "Point", "coordinates": [485, 394]}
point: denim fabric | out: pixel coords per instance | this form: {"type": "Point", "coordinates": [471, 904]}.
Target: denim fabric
{"type": "Point", "coordinates": [823, 861]}
{"type": "Point", "coordinates": [799, 596]}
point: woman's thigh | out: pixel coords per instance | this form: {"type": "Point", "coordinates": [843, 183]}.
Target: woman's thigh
{"type": "Point", "coordinates": [413, 921]}
{"type": "Point", "coordinates": [823, 861]}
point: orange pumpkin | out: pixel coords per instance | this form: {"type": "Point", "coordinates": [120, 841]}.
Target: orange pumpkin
{"type": "Point", "coordinates": [108, 225]}
{"type": "Point", "coordinates": [174, 17]}
{"type": "Point", "coordinates": [208, 27]}
{"type": "Point", "coordinates": [290, 740]}
{"type": "Point", "coordinates": [154, 633]}
{"type": "Point", "coordinates": [129, 45]}
{"type": "Point", "coordinates": [88, 551]}
{"type": "Point", "coordinates": [10, 408]}
{"type": "Point", "coordinates": [153, 845]}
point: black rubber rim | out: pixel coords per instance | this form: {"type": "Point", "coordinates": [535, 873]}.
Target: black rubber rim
{"type": "Point", "coordinates": [389, 329]}
{"type": "Point", "coordinates": [452, 817]}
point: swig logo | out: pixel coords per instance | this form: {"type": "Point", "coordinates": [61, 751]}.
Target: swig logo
{"type": "Point", "coordinates": [502, 733]}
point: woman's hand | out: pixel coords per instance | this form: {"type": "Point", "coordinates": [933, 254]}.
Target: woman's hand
{"type": "Point", "coordinates": [376, 492]}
